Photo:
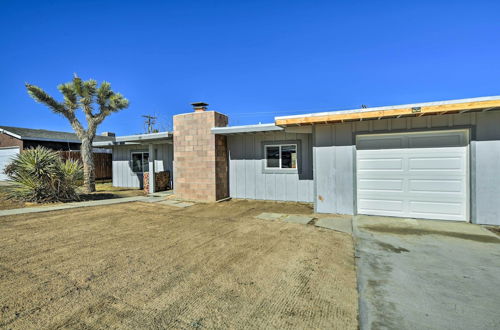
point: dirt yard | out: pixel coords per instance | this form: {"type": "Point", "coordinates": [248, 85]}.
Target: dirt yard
{"type": "Point", "coordinates": [494, 229]}
{"type": "Point", "coordinates": [141, 265]}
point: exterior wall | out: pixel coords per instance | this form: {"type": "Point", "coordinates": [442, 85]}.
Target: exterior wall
{"type": "Point", "coordinates": [122, 170]}
{"type": "Point", "coordinates": [201, 168]}
{"type": "Point", "coordinates": [486, 161]}
{"type": "Point", "coordinates": [10, 141]}
{"type": "Point", "coordinates": [334, 153]}
{"type": "Point", "coordinates": [247, 179]}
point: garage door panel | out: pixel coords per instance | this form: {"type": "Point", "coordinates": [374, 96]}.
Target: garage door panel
{"type": "Point", "coordinates": [437, 139]}
{"type": "Point", "coordinates": [382, 142]}
{"type": "Point", "coordinates": [370, 154]}
{"type": "Point", "coordinates": [431, 141]}
{"type": "Point", "coordinates": [428, 180]}
{"type": "Point", "coordinates": [386, 185]}
{"type": "Point", "coordinates": [448, 209]}
{"type": "Point", "coordinates": [436, 163]}
{"type": "Point", "coordinates": [436, 186]}
{"type": "Point", "coordinates": [445, 198]}
{"type": "Point", "coordinates": [380, 164]}
{"type": "Point", "coordinates": [386, 205]}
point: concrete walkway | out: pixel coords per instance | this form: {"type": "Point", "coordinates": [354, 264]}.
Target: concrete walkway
{"type": "Point", "coordinates": [80, 204]}
{"type": "Point", "coordinates": [420, 274]}
{"type": "Point", "coordinates": [340, 223]}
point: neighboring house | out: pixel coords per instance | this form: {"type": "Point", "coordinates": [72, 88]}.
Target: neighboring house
{"type": "Point", "coordinates": [135, 154]}
{"type": "Point", "coordinates": [15, 139]}
{"type": "Point", "coordinates": [26, 138]}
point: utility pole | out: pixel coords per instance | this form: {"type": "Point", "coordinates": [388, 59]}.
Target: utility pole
{"type": "Point", "coordinates": [149, 123]}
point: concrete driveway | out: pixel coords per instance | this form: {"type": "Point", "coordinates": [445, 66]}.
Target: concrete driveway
{"type": "Point", "coordinates": [420, 274]}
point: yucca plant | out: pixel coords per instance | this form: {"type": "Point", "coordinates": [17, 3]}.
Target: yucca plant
{"type": "Point", "coordinates": [40, 175]}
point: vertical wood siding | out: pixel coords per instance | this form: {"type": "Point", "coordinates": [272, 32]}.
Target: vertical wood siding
{"type": "Point", "coordinates": [334, 153]}
{"type": "Point", "coordinates": [248, 180]}
{"type": "Point", "coordinates": [122, 171]}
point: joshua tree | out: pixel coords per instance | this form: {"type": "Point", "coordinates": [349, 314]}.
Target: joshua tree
{"type": "Point", "coordinates": [84, 95]}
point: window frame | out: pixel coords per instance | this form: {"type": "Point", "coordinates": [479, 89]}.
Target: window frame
{"type": "Point", "coordinates": [280, 170]}
{"type": "Point", "coordinates": [142, 152]}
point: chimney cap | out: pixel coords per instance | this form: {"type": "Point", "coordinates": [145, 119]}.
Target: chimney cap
{"type": "Point", "coordinates": [199, 106]}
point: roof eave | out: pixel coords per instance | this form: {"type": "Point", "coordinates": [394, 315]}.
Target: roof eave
{"type": "Point", "coordinates": [136, 139]}
{"type": "Point", "coordinates": [414, 110]}
{"type": "Point", "coordinates": [10, 133]}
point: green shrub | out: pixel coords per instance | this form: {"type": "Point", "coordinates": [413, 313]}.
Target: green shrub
{"type": "Point", "coordinates": [41, 176]}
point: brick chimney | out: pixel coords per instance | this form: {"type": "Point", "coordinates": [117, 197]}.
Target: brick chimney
{"type": "Point", "coordinates": [200, 157]}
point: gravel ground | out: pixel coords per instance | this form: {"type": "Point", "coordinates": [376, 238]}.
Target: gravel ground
{"type": "Point", "coordinates": [141, 265]}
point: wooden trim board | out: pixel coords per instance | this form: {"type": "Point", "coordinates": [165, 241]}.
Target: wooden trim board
{"type": "Point", "coordinates": [424, 110]}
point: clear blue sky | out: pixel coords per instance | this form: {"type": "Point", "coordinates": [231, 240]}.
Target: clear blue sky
{"type": "Point", "coordinates": [251, 60]}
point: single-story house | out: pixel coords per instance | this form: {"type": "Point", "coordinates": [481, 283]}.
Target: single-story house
{"type": "Point", "coordinates": [15, 139]}
{"type": "Point", "coordinates": [134, 155]}
{"type": "Point", "coordinates": [434, 160]}
{"type": "Point", "coordinates": [437, 160]}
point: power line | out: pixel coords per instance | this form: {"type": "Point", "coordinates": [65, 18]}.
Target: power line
{"type": "Point", "coordinates": [254, 113]}
{"type": "Point", "coordinates": [149, 123]}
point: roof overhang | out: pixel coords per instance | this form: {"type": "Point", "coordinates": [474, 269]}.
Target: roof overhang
{"type": "Point", "coordinates": [152, 138]}
{"type": "Point", "coordinates": [396, 111]}
{"type": "Point", "coordinates": [10, 133]}
{"type": "Point", "coordinates": [246, 129]}
{"type": "Point", "coordinates": [50, 140]}
{"type": "Point", "coordinates": [31, 138]}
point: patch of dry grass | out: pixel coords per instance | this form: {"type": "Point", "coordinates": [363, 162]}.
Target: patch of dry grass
{"type": "Point", "coordinates": [103, 191]}
{"type": "Point", "coordinates": [5, 203]}
{"type": "Point", "coordinates": [145, 265]}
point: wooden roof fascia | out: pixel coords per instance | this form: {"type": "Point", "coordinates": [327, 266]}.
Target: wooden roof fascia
{"type": "Point", "coordinates": [424, 110]}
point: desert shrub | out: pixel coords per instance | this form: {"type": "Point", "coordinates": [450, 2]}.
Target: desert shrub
{"type": "Point", "coordinates": [41, 176]}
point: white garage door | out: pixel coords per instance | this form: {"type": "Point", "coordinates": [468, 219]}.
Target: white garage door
{"type": "Point", "coordinates": [6, 155]}
{"type": "Point", "coordinates": [414, 175]}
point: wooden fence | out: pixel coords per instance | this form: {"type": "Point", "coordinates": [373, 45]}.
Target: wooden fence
{"type": "Point", "coordinates": [103, 163]}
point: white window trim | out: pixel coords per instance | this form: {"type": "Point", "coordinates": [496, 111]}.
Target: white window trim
{"type": "Point", "coordinates": [142, 157]}
{"type": "Point", "coordinates": [280, 146]}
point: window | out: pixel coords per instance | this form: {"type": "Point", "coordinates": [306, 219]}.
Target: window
{"type": "Point", "coordinates": [140, 162]}
{"type": "Point", "coordinates": [283, 156]}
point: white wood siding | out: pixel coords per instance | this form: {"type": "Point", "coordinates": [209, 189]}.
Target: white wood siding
{"type": "Point", "coordinates": [247, 178]}
{"type": "Point", "coordinates": [122, 171]}
{"type": "Point", "coordinates": [334, 151]}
